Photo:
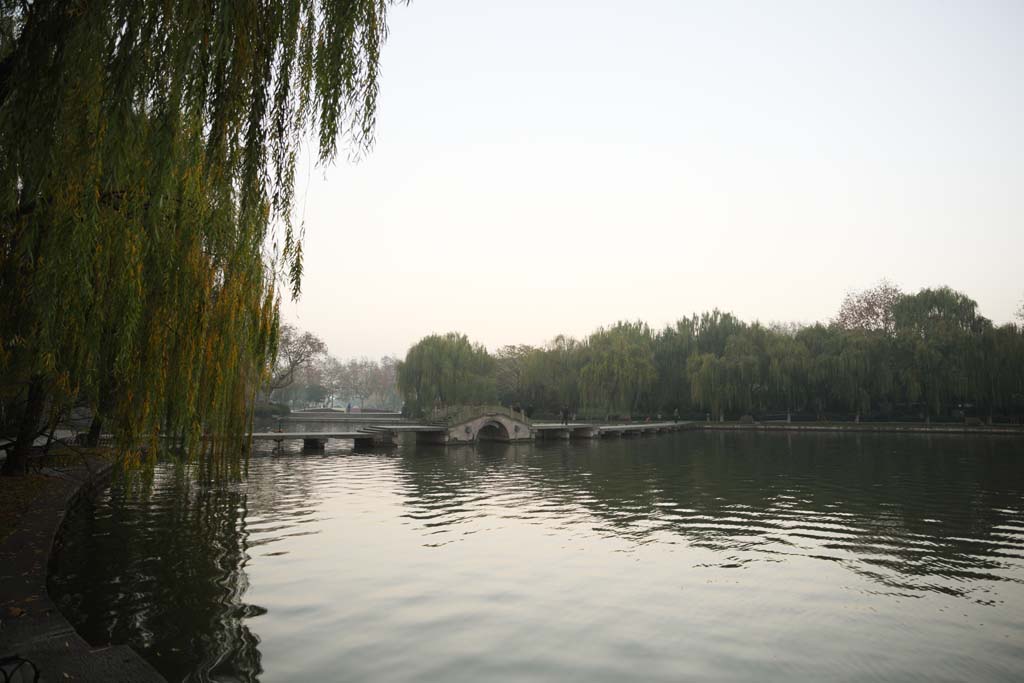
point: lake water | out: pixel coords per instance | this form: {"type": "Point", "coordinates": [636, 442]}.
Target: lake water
{"type": "Point", "coordinates": [688, 556]}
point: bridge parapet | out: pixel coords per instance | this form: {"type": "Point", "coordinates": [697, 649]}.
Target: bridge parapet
{"type": "Point", "coordinates": [453, 415]}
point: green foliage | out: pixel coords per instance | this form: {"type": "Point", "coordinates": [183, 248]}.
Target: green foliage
{"type": "Point", "coordinates": [673, 347]}
{"type": "Point", "coordinates": [147, 154]}
{"type": "Point", "coordinates": [788, 366]}
{"type": "Point", "coordinates": [619, 373]}
{"type": "Point", "coordinates": [511, 372]}
{"type": "Point", "coordinates": [446, 370]}
{"type": "Point", "coordinates": [553, 374]}
{"type": "Point", "coordinates": [925, 354]}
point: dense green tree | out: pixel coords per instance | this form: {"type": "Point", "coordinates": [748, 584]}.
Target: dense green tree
{"type": "Point", "coordinates": [852, 373]}
{"type": "Point", "coordinates": [550, 375]}
{"type": "Point", "coordinates": [998, 370]}
{"type": "Point", "coordinates": [713, 330]}
{"type": "Point", "coordinates": [446, 370]}
{"type": "Point", "coordinates": [936, 331]}
{"type": "Point", "coordinates": [821, 343]}
{"type": "Point", "coordinates": [706, 374]}
{"type": "Point", "coordinates": [927, 354]}
{"type": "Point", "coordinates": [937, 311]}
{"type": "Point", "coordinates": [510, 372]}
{"type": "Point", "coordinates": [788, 366]}
{"type": "Point", "coordinates": [619, 373]}
{"type": "Point", "coordinates": [673, 347]}
{"type": "Point", "coordinates": [147, 155]}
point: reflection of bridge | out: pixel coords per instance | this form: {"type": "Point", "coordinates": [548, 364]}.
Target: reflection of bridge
{"type": "Point", "coordinates": [315, 441]}
{"type": "Point", "coordinates": [465, 426]}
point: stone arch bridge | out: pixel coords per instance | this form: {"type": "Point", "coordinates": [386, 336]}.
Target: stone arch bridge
{"type": "Point", "coordinates": [490, 425]}
{"type": "Point", "coordinates": [465, 425]}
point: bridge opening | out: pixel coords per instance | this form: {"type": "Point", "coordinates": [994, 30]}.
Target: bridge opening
{"type": "Point", "coordinates": [493, 431]}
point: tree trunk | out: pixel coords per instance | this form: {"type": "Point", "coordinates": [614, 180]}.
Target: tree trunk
{"type": "Point", "coordinates": [92, 439]}
{"type": "Point", "coordinates": [17, 458]}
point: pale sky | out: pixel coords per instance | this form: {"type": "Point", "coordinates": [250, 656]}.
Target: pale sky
{"type": "Point", "coordinates": [550, 166]}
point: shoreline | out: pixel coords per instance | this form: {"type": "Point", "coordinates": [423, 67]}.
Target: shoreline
{"type": "Point", "coordinates": [31, 624]}
{"type": "Point", "coordinates": [876, 427]}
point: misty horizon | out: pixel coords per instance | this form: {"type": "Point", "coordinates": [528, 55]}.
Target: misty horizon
{"type": "Point", "coordinates": [549, 168]}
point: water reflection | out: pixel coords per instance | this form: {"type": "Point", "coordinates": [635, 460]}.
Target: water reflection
{"type": "Point", "coordinates": [160, 563]}
{"type": "Point", "coordinates": [364, 548]}
{"type": "Point", "coordinates": [912, 514]}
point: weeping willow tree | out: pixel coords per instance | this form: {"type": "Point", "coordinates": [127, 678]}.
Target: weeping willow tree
{"type": "Point", "coordinates": [147, 171]}
{"type": "Point", "coordinates": [706, 375]}
{"type": "Point", "coordinates": [732, 381]}
{"type": "Point", "coordinates": [620, 370]}
{"type": "Point", "coordinates": [446, 370]}
{"type": "Point", "coordinates": [787, 370]}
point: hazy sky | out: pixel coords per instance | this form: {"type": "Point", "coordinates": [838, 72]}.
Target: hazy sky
{"type": "Point", "coordinates": [548, 167]}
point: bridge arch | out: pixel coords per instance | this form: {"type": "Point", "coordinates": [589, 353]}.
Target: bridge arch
{"type": "Point", "coordinates": [490, 426]}
{"type": "Point", "coordinates": [493, 431]}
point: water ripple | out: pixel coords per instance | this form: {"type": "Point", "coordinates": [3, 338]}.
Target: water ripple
{"type": "Point", "coordinates": [696, 555]}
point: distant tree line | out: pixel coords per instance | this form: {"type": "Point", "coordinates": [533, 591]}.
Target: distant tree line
{"type": "Point", "coordinates": [306, 375]}
{"type": "Point", "coordinates": [886, 354]}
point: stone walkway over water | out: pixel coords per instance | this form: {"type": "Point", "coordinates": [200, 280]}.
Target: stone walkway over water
{"type": "Point", "coordinates": [465, 426]}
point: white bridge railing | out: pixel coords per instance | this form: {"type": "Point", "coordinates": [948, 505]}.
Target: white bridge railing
{"type": "Point", "coordinates": [463, 413]}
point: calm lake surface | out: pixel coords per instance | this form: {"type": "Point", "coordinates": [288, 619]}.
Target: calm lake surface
{"type": "Point", "coordinates": [687, 556]}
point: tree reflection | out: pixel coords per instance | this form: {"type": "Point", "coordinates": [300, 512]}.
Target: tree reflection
{"type": "Point", "coordinates": [908, 512]}
{"type": "Point", "coordinates": [173, 581]}
{"type": "Point", "coordinates": [161, 562]}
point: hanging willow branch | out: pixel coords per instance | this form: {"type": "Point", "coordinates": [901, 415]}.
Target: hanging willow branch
{"type": "Point", "coordinates": [147, 171]}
